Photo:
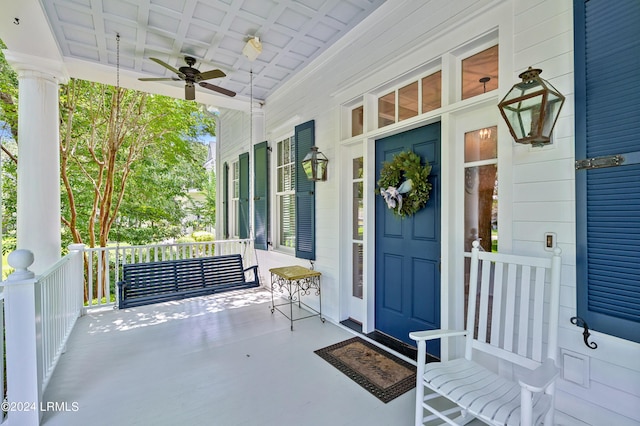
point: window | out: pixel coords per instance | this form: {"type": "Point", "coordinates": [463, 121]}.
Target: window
{"type": "Point", "coordinates": [357, 121]}
{"type": "Point", "coordinates": [285, 193]}
{"type": "Point", "coordinates": [481, 188]}
{"type": "Point", "coordinates": [387, 109]}
{"type": "Point", "coordinates": [358, 226]}
{"type": "Point", "coordinates": [225, 200]}
{"type": "Point", "coordinates": [235, 199]}
{"type": "Point", "coordinates": [480, 194]}
{"type": "Point", "coordinates": [480, 73]}
{"type": "Point", "coordinates": [432, 92]}
{"type": "Point", "coordinates": [408, 101]}
{"type": "Point", "coordinates": [607, 202]}
{"type": "Point", "coordinates": [417, 97]}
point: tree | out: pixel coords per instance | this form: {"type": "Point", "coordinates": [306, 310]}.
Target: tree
{"type": "Point", "coordinates": [119, 149]}
{"type": "Point", "coordinates": [8, 136]}
{"type": "Point", "coordinates": [124, 148]}
{"type": "Point", "coordinates": [110, 137]}
{"type": "Point", "coordinates": [8, 100]}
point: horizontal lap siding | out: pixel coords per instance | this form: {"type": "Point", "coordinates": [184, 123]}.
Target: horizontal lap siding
{"type": "Point", "coordinates": [544, 201]}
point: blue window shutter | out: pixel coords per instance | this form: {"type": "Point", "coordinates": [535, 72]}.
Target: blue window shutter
{"type": "Point", "coordinates": [607, 58]}
{"type": "Point", "coordinates": [305, 194]}
{"type": "Point", "coordinates": [261, 195]}
{"type": "Point", "coordinates": [243, 202]}
{"type": "Point", "coordinates": [225, 200]}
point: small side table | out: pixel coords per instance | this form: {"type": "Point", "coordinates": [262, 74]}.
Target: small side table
{"type": "Point", "coordinates": [297, 281]}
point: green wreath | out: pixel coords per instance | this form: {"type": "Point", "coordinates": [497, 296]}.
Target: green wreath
{"type": "Point", "coordinates": [403, 183]}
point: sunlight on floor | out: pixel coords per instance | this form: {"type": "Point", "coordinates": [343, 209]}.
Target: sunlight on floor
{"type": "Point", "coordinates": [143, 316]}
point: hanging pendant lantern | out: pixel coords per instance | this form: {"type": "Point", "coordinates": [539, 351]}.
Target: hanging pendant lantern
{"type": "Point", "coordinates": [315, 165]}
{"type": "Point", "coordinates": [531, 109]}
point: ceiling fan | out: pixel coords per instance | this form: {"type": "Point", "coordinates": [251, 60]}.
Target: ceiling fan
{"type": "Point", "coordinates": [191, 76]}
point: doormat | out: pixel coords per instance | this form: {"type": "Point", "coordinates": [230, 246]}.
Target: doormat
{"type": "Point", "coordinates": [381, 373]}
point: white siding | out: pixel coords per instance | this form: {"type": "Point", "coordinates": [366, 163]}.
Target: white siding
{"type": "Point", "coordinates": [538, 186]}
{"type": "Point", "coordinates": [232, 140]}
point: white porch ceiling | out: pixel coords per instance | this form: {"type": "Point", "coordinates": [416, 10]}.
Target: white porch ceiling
{"type": "Point", "coordinates": [293, 33]}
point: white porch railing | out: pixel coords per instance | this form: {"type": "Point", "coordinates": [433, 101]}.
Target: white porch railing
{"type": "Point", "coordinates": [61, 304]}
{"type": "Point", "coordinates": [103, 265]}
{"type": "Point", "coordinates": [3, 370]}
{"type": "Point", "coordinates": [40, 314]}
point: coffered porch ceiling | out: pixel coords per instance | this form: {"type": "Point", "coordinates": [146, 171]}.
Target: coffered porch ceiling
{"type": "Point", "coordinates": [82, 34]}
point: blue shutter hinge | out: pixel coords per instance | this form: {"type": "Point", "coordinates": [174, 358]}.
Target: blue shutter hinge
{"type": "Point", "coordinates": [599, 162]}
{"type": "Point", "coordinates": [585, 334]}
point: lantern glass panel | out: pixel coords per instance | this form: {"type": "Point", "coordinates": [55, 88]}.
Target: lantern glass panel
{"type": "Point", "coordinates": [524, 116]}
{"type": "Point", "coordinates": [307, 165]}
{"type": "Point", "coordinates": [554, 103]}
{"type": "Point", "coordinates": [322, 169]}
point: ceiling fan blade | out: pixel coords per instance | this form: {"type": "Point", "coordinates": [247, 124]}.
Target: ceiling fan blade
{"type": "Point", "coordinates": [166, 65]}
{"type": "Point", "coordinates": [189, 92]}
{"type": "Point", "coordinates": [211, 74]}
{"type": "Point", "coordinates": [217, 89]}
{"type": "Point", "coordinates": [159, 79]}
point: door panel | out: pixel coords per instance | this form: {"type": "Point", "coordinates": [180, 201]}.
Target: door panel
{"type": "Point", "coordinates": [408, 249]}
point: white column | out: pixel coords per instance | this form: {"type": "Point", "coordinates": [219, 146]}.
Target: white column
{"type": "Point", "coordinates": [38, 208]}
{"type": "Point", "coordinates": [23, 327]}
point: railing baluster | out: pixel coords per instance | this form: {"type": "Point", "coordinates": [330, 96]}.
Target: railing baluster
{"type": "Point", "coordinates": [99, 261]}
{"type": "Point", "coordinates": [2, 358]}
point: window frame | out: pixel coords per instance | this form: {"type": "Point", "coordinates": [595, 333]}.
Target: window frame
{"type": "Point", "coordinates": [234, 199]}
{"type": "Point", "coordinates": [278, 243]}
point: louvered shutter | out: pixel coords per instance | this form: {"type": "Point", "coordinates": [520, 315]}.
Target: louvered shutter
{"type": "Point", "coordinates": [243, 202]}
{"type": "Point", "coordinates": [225, 200]}
{"type": "Point", "coordinates": [261, 195]}
{"type": "Point", "coordinates": [607, 59]}
{"type": "Point", "coordinates": [305, 194]}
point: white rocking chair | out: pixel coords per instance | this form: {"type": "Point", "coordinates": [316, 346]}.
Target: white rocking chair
{"type": "Point", "coordinates": [518, 296]}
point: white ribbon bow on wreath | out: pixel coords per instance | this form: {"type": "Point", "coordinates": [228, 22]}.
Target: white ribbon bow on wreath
{"type": "Point", "coordinates": [393, 196]}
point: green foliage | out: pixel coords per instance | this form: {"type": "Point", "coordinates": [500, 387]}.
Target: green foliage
{"type": "Point", "coordinates": [9, 244]}
{"type": "Point", "coordinates": [8, 97]}
{"type": "Point", "coordinates": [126, 172]}
{"type": "Point", "coordinates": [185, 239]}
{"type": "Point", "coordinates": [202, 236]}
{"type": "Point", "coordinates": [406, 166]}
{"type": "Point", "coordinates": [9, 188]}
{"type": "Point", "coordinates": [150, 152]}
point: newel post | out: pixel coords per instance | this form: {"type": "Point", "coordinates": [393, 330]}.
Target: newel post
{"type": "Point", "coordinates": [77, 276]}
{"type": "Point", "coordinates": [23, 322]}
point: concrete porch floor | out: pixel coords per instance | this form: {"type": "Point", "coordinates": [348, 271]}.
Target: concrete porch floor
{"type": "Point", "coordinates": [218, 360]}
{"type": "Point", "coordinates": [221, 360]}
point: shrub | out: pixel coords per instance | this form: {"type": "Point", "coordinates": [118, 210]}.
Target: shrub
{"type": "Point", "coordinates": [202, 236]}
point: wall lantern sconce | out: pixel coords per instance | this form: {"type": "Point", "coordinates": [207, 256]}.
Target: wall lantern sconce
{"type": "Point", "coordinates": [315, 165]}
{"type": "Point", "coordinates": [531, 109]}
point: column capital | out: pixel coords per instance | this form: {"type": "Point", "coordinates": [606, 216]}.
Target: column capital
{"type": "Point", "coordinates": [32, 66]}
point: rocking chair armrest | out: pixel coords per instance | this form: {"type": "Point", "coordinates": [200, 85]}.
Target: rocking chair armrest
{"type": "Point", "coordinates": [539, 379]}
{"type": "Point", "coordinates": [435, 334]}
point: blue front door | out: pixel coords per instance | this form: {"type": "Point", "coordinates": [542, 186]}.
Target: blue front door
{"type": "Point", "coordinates": [407, 274]}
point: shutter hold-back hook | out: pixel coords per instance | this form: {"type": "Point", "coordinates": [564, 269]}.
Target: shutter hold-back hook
{"type": "Point", "coordinates": [585, 334]}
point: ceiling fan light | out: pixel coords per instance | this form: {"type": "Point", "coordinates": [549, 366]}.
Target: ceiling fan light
{"type": "Point", "coordinates": [252, 49]}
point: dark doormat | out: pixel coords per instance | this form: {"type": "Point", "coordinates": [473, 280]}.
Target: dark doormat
{"type": "Point", "coordinates": [381, 373]}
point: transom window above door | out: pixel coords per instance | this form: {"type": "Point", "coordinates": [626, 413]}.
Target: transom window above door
{"type": "Point", "coordinates": [410, 100]}
{"type": "Point", "coordinates": [480, 73]}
